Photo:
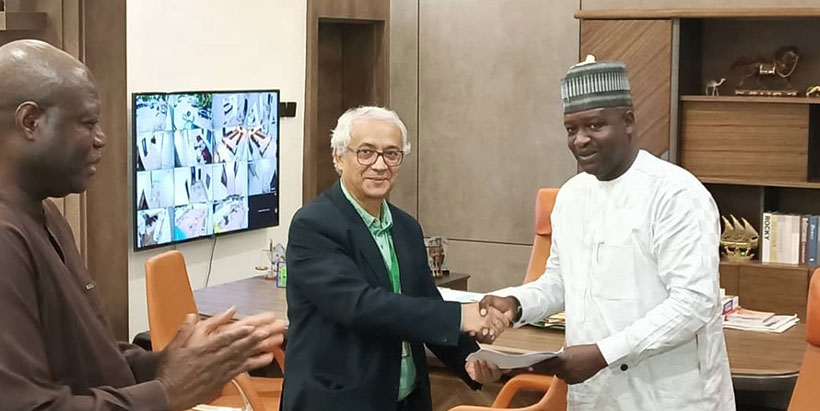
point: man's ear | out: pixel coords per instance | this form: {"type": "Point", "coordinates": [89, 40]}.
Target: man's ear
{"type": "Point", "coordinates": [337, 163]}
{"type": "Point", "coordinates": [26, 118]}
{"type": "Point", "coordinates": [629, 121]}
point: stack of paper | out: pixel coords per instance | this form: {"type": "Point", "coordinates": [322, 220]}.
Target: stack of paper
{"type": "Point", "coordinates": [558, 320]}
{"type": "Point", "coordinates": [507, 361]}
{"type": "Point", "coordinates": [750, 320]}
{"type": "Point", "coordinates": [459, 296]}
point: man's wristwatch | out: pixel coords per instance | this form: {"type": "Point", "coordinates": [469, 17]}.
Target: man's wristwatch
{"type": "Point", "coordinates": [518, 310]}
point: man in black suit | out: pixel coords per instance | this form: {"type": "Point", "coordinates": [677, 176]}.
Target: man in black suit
{"type": "Point", "coordinates": [361, 301]}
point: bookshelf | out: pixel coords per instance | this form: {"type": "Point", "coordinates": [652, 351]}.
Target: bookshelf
{"type": "Point", "coordinates": [754, 154]}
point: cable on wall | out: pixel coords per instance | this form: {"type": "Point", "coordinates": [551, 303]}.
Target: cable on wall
{"type": "Point", "coordinates": [210, 262]}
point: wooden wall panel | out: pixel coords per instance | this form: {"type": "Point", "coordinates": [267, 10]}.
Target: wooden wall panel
{"type": "Point", "coordinates": [646, 48]}
{"type": "Point", "coordinates": [729, 275]}
{"type": "Point", "coordinates": [317, 170]}
{"type": "Point", "coordinates": [330, 104]}
{"type": "Point", "coordinates": [664, 4]}
{"type": "Point", "coordinates": [490, 266]}
{"type": "Point", "coordinates": [490, 125]}
{"type": "Point", "coordinates": [107, 209]}
{"type": "Point", "coordinates": [404, 95]}
{"type": "Point", "coordinates": [745, 140]}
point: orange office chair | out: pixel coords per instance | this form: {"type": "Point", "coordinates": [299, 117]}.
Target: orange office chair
{"type": "Point", "coordinates": [555, 398]}
{"type": "Point", "coordinates": [543, 233]}
{"type": "Point", "coordinates": [170, 299]}
{"type": "Point", "coordinates": [805, 395]}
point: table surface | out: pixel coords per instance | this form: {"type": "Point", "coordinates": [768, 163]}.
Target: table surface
{"type": "Point", "coordinates": [451, 278]}
{"type": "Point", "coordinates": [750, 353]}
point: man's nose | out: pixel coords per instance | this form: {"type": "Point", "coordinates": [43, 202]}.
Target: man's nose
{"type": "Point", "coordinates": [580, 140]}
{"type": "Point", "coordinates": [99, 138]}
{"type": "Point", "coordinates": [379, 164]}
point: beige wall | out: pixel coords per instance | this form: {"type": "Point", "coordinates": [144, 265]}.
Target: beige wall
{"type": "Point", "coordinates": [228, 45]}
{"type": "Point", "coordinates": [404, 94]}
{"type": "Point", "coordinates": [489, 122]}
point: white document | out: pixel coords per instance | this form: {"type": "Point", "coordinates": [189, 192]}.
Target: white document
{"type": "Point", "coordinates": [507, 361]}
{"type": "Point", "coordinates": [459, 296]}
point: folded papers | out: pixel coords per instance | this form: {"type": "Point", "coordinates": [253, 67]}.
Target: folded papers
{"type": "Point", "coordinates": [507, 361]}
{"type": "Point", "coordinates": [760, 321]}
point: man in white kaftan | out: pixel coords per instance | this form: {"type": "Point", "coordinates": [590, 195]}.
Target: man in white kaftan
{"type": "Point", "coordinates": [634, 264]}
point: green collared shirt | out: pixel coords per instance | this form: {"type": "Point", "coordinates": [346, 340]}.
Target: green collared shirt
{"type": "Point", "coordinates": [382, 232]}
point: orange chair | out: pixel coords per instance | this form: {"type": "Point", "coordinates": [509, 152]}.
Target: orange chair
{"type": "Point", "coordinates": [170, 299]}
{"type": "Point", "coordinates": [805, 395]}
{"type": "Point", "coordinates": [555, 398]}
{"type": "Point", "coordinates": [543, 233]}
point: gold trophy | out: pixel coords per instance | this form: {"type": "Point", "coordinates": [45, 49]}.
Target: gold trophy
{"type": "Point", "coordinates": [738, 239]}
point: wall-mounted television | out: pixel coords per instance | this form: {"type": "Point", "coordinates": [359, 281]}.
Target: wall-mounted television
{"type": "Point", "coordinates": [205, 164]}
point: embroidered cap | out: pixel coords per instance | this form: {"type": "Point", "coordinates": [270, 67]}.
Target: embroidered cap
{"type": "Point", "coordinates": [595, 84]}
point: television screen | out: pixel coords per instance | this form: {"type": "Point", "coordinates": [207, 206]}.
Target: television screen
{"type": "Point", "coordinates": [205, 163]}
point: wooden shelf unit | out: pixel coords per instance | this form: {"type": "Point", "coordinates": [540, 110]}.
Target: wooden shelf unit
{"type": "Point", "coordinates": [694, 13]}
{"type": "Point", "coordinates": [749, 99]}
{"type": "Point", "coordinates": [22, 21]}
{"type": "Point", "coordinates": [766, 183]}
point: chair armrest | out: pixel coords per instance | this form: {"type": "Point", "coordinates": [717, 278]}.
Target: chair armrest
{"type": "Point", "coordinates": [533, 382]}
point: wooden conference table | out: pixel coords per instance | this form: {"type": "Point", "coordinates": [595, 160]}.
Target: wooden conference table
{"type": "Point", "coordinates": [758, 361]}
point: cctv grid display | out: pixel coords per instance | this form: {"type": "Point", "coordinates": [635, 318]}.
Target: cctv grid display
{"type": "Point", "coordinates": [205, 163]}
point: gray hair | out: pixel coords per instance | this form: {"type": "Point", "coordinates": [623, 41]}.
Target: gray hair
{"type": "Point", "coordinates": [340, 138]}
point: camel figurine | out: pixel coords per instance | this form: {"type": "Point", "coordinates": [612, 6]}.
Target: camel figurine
{"type": "Point", "coordinates": [781, 67]}
{"type": "Point", "coordinates": [714, 84]}
{"type": "Point", "coordinates": [813, 91]}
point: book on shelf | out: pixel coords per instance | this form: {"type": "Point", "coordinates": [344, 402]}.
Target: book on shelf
{"type": "Point", "coordinates": [766, 240]}
{"type": "Point", "coordinates": [812, 241]}
{"type": "Point", "coordinates": [790, 239]}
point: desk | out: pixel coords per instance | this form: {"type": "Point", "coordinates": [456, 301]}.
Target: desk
{"type": "Point", "coordinates": [255, 295]}
{"type": "Point", "coordinates": [758, 361]}
{"type": "Point", "coordinates": [455, 281]}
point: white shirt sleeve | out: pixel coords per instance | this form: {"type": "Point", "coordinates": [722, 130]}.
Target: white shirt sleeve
{"type": "Point", "coordinates": [685, 241]}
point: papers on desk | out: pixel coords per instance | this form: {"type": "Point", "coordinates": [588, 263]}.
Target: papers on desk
{"type": "Point", "coordinates": [507, 361]}
{"type": "Point", "coordinates": [749, 320]}
{"type": "Point", "coordinates": [459, 296]}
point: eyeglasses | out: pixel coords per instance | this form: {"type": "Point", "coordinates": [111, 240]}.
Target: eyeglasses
{"type": "Point", "coordinates": [368, 157]}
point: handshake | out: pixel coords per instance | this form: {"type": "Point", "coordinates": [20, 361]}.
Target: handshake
{"type": "Point", "coordinates": [487, 319]}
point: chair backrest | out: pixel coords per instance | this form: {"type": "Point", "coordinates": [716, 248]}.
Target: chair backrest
{"type": "Point", "coordinates": [170, 299]}
{"type": "Point", "coordinates": [169, 294]}
{"type": "Point", "coordinates": [556, 397]}
{"type": "Point", "coordinates": [805, 395]}
{"type": "Point", "coordinates": [543, 233]}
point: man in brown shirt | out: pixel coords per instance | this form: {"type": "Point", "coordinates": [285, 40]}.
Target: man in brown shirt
{"type": "Point", "coordinates": [56, 351]}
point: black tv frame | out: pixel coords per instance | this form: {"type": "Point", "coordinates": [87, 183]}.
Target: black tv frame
{"type": "Point", "coordinates": [134, 159]}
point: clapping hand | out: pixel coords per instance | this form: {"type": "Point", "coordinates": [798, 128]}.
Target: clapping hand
{"type": "Point", "coordinates": [204, 355]}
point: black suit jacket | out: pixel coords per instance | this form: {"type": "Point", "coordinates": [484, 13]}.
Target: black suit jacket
{"type": "Point", "coordinates": [347, 325]}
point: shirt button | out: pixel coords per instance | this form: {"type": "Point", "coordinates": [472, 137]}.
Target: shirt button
{"type": "Point", "coordinates": [624, 367]}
